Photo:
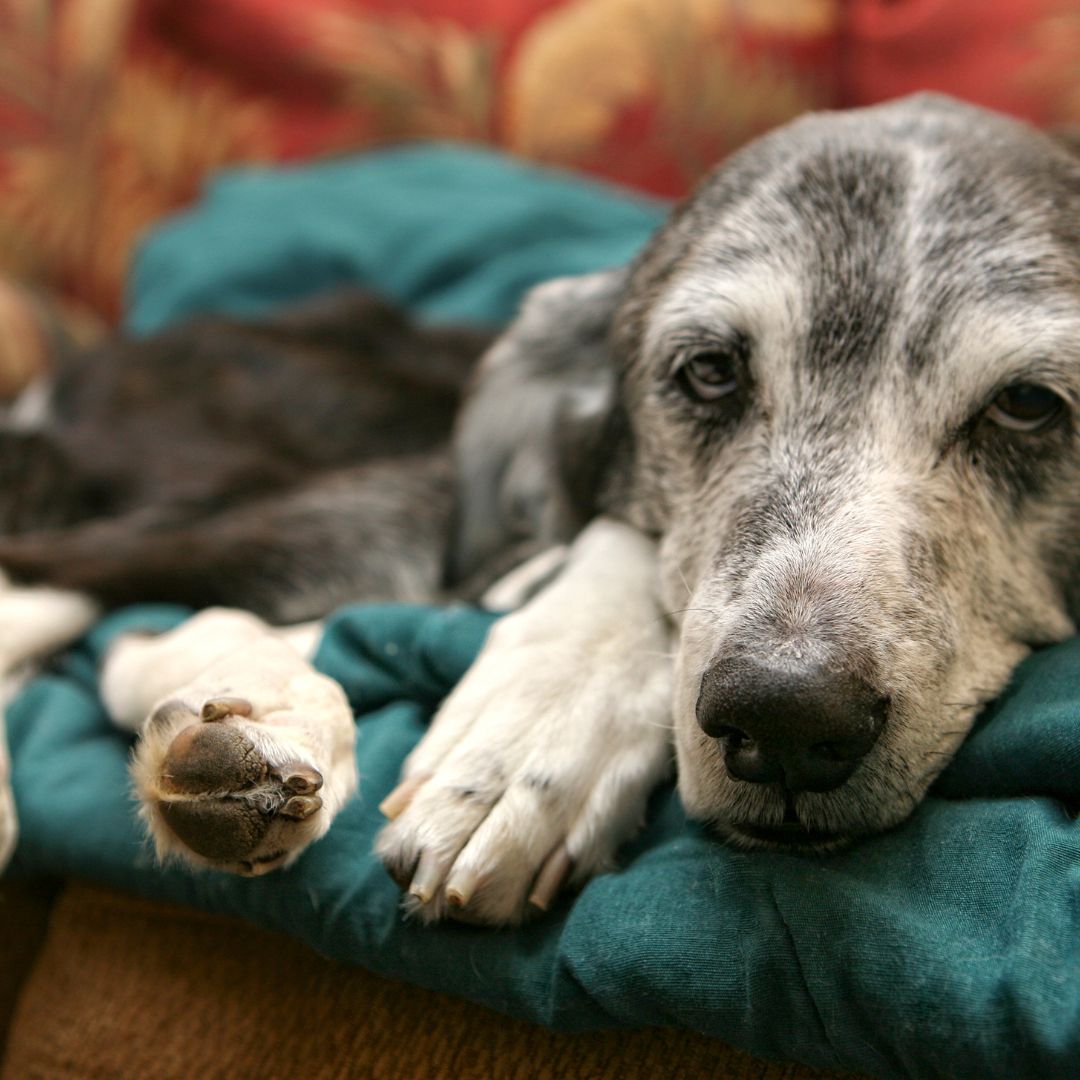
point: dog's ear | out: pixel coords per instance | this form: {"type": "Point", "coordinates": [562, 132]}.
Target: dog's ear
{"type": "Point", "coordinates": [530, 442]}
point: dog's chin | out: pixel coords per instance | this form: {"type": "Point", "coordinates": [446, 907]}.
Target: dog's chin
{"type": "Point", "coordinates": [790, 837]}
{"type": "Point", "coordinates": [762, 817]}
{"type": "Point", "coordinates": [814, 830]}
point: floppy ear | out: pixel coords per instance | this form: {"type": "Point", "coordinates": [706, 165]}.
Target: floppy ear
{"type": "Point", "coordinates": [532, 440]}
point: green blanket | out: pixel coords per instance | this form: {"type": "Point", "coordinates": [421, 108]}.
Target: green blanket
{"type": "Point", "coordinates": [949, 947]}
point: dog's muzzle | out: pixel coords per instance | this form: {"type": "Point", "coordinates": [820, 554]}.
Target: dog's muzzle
{"type": "Point", "coordinates": [803, 724]}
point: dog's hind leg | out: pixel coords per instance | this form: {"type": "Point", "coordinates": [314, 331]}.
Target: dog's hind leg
{"type": "Point", "coordinates": [369, 533]}
{"type": "Point", "coordinates": [33, 623]}
{"type": "Point", "coordinates": [41, 487]}
{"type": "Point", "coordinates": [245, 752]}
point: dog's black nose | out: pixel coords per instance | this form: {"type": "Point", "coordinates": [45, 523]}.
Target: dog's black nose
{"type": "Point", "coordinates": [805, 726]}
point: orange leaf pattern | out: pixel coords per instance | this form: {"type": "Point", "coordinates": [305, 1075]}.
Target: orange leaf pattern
{"type": "Point", "coordinates": [113, 112]}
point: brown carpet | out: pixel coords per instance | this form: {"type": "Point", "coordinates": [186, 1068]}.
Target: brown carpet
{"type": "Point", "coordinates": [124, 988]}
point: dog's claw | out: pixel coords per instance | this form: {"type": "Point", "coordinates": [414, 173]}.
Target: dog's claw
{"type": "Point", "coordinates": [221, 707]}
{"type": "Point", "coordinates": [301, 807]}
{"type": "Point", "coordinates": [170, 712]}
{"type": "Point", "coordinates": [461, 887]}
{"type": "Point", "coordinates": [550, 880]}
{"type": "Point", "coordinates": [428, 877]}
{"type": "Point", "coordinates": [302, 779]}
{"type": "Point", "coordinates": [397, 802]}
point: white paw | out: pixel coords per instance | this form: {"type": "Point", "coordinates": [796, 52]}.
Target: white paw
{"type": "Point", "coordinates": [37, 621]}
{"type": "Point", "coordinates": [246, 763]}
{"type": "Point", "coordinates": [536, 768]}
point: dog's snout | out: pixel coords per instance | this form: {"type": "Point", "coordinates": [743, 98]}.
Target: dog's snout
{"type": "Point", "coordinates": [805, 726]}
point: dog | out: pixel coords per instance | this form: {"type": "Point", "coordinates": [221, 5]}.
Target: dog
{"type": "Point", "coordinates": [837, 394]}
{"type": "Point", "coordinates": [813, 456]}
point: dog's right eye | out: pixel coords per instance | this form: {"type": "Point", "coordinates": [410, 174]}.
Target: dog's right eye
{"type": "Point", "coordinates": [710, 375]}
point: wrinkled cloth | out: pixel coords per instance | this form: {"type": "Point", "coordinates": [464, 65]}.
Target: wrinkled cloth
{"type": "Point", "coordinates": [949, 947]}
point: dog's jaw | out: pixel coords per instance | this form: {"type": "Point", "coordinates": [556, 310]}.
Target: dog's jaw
{"type": "Point", "coordinates": [926, 725]}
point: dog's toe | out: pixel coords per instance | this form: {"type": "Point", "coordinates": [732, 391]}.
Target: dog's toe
{"type": "Point", "coordinates": [170, 714]}
{"type": "Point", "coordinates": [222, 707]}
{"type": "Point", "coordinates": [301, 779]}
{"type": "Point", "coordinates": [495, 852]}
{"type": "Point", "coordinates": [301, 807]}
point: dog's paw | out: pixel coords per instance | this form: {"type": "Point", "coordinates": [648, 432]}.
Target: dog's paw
{"type": "Point", "coordinates": [537, 767]}
{"type": "Point", "coordinates": [247, 764]}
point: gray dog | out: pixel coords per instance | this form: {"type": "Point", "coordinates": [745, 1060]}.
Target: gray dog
{"type": "Point", "coordinates": [823, 428]}
{"type": "Point", "coordinates": [838, 391]}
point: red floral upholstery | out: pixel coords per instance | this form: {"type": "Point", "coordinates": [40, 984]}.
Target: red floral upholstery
{"type": "Point", "coordinates": [113, 111]}
{"type": "Point", "coordinates": [1020, 56]}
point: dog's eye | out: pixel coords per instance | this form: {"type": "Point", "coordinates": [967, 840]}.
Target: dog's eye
{"type": "Point", "coordinates": [1025, 407]}
{"type": "Point", "coordinates": [710, 375]}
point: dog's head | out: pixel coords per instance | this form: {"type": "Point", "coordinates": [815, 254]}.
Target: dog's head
{"type": "Point", "coordinates": [847, 382]}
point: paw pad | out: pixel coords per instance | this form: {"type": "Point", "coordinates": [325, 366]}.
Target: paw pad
{"type": "Point", "coordinates": [212, 758]}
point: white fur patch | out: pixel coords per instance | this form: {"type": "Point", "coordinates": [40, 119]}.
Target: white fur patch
{"type": "Point", "coordinates": [555, 736]}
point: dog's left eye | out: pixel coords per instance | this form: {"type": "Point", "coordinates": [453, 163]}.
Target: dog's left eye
{"type": "Point", "coordinates": [1025, 407]}
{"type": "Point", "coordinates": [709, 375]}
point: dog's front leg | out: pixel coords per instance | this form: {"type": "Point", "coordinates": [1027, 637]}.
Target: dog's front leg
{"type": "Point", "coordinates": [540, 762]}
{"type": "Point", "coordinates": [245, 752]}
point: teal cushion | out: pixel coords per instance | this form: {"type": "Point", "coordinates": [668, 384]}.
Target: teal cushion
{"type": "Point", "coordinates": [949, 947]}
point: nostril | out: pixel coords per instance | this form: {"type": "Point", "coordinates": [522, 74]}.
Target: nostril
{"type": "Point", "coordinates": [805, 726]}
{"type": "Point", "coordinates": [734, 738]}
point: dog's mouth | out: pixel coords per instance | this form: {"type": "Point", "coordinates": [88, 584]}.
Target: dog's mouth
{"type": "Point", "coordinates": [791, 834]}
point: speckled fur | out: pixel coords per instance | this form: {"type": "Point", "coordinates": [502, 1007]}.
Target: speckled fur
{"type": "Point", "coordinates": [886, 272]}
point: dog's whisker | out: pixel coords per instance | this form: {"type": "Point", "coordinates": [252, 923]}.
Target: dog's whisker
{"type": "Point", "coordinates": [682, 577]}
{"type": "Point", "coordinates": [682, 611]}
{"type": "Point", "coordinates": [659, 724]}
